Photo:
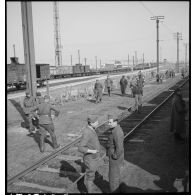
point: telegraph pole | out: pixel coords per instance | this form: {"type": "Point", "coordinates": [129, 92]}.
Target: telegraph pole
{"type": "Point", "coordinates": [143, 58]}
{"type": "Point", "coordinates": [85, 61]}
{"type": "Point", "coordinates": [128, 59]}
{"type": "Point", "coordinates": [157, 18]}
{"type": "Point", "coordinates": [28, 41]}
{"type": "Point", "coordinates": [177, 36]}
{"type": "Point", "coordinates": [186, 49]}
{"type": "Point", "coordinates": [100, 63]}
{"type": "Point", "coordinates": [79, 55]}
{"type": "Point", "coordinates": [14, 50]}
{"type": "Point", "coordinates": [135, 57]}
{"type": "Point", "coordinates": [96, 62]}
{"type": "Point", "coordinates": [71, 60]}
{"type": "Point", "coordinates": [133, 63]}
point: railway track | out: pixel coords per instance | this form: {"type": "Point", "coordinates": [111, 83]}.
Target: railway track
{"type": "Point", "coordinates": [62, 170]}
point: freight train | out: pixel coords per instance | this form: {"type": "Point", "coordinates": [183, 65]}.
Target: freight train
{"type": "Point", "coordinates": [16, 72]}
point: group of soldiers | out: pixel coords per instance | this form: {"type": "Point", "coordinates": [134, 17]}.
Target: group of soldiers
{"type": "Point", "coordinates": [40, 109]}
{"type": "Point", "coordinates": [136, 86]}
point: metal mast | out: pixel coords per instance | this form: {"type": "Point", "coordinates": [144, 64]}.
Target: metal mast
{"type": "Point", "coordinates": [57, 39]}
{"type": "Point", "coordinates": [157, 18]}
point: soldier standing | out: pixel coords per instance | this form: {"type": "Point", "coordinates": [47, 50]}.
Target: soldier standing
{"type": "Point", "coordinates": [45, 122]}
{"type": "Point", "coordinates": [28, 103]}
{"type": "Point", "coordinates": [123, 84]}
{"type": "Point", "coordinates": [178, 112]}
{"type": "Point", "coordinates": [138, 95]}
{"type": "Point", "coordinates": [90, 147]}
{"type": "Point", "coordinates": [108, 84]}
{"type": "Point", "coordinates": [98, 91]}
{"type": "Point", "coordinates": [115, 153]}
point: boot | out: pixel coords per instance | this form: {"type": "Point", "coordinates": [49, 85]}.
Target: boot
{"type": "Point", "coordinates": [55, 145]}
{"type": "Point", "coordinates": [89, 186]}
{"type": "Point", "coordinates": [42, 144]}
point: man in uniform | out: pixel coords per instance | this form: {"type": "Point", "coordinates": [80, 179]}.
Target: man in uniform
{"type": "Point", "coordinates": [138, 95]}
{"type": "Point", "coordinates": [45, 122]}
{"type": "Point", "coordinates": [90, 147]}
{"type": "Point", "coordinates": [28, 103]}
{"type": "Point", "coordinates": [178, 112]}
{"type": "Point", "coordinates": [108, 84]}
{"type": "Point", "coordinates": [123, 84]}
{"type": "Point", "coordinates": [98, 91]}
{"type": "Point", "coordinates": [115, 153]}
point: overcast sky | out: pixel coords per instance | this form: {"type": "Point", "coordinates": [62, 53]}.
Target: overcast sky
{"type": "Point", "coordinates": [108, 30]}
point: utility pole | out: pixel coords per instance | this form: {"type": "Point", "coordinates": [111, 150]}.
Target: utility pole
{"type": "Point", "coordinates": [100, 63]}
{"type": "Point", "coordinates": [143, 58]}
{"type": "Point", "coordinates": [79, 55]}
{"type": "Point", "coordinates": [14, 50]}
{"type": "Point", "coordinates": [28, 41]}
{"type": "Point", "coordinates": [186, 49]}
{"type": "Point", "coordinates": [157, 18]}
{"type": "Point", "coordinates": [177, 36]}
{"type": "Point", "coordinates": [71, 60]}
{"type": "Point", "coordinates": [133, 63]}
{"type": "Point", "coordinates": [135, 57]}
{"type": "Point", "coordinates": [96, 62]}
{"type": "Point", "coordinates": [128, 59]}
{"type": "Point", "coordinates": [85, 61]}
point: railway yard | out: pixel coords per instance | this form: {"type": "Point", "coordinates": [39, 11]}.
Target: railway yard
{"type": "Point", "coordinates": [153, 159]}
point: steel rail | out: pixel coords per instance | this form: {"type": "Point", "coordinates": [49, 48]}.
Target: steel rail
{"type": "Point", "coordinates": [45, 159]}
{"type": "Point", "coordinates": [152, 112]}
{"type": "Point", "coordinates": [66, 147]}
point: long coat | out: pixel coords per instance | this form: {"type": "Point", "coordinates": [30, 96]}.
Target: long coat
{"type": "Point", "coordinates": [178, 114]}
{"type": "Point", "coordinates": [116, 157]}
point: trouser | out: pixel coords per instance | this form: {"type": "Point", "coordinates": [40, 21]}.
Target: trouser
{"type": "Point", "coordinates": [91, 166]}
{"type": "Point", "coordinates": [109, 89]}
{"type": "Point", "coordinates": [138, 101]}
{"type": "Point", "coordinates": [114, 174]}
{"type": "Point", "coordinates": [49, 128]}
{"type": "Point", "coordinates": [123, 88]}
{"type": "Point", "coordinates": [98, 96]}
{"type": "Point", "coordinates": [30, 124]}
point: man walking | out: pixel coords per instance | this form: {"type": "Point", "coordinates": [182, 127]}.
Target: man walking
{"type": "Point", "coordinates": [123, 84]}
{"type": "Point", "coordinates": [45, 122]}
{"type": "Point", "coordinates": [98, 91]}
{"type": "Point", "coordinates": [90, 147]}
{"type": "Point", "coordinates": [28, 103]}
{"type": "Point", "coordinates": [108, 84]}
{"type": "Point", "coordinates": [116, 154]}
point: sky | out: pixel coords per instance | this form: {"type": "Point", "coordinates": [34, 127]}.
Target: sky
{"type": "Point", "coordinates": [109, 30]}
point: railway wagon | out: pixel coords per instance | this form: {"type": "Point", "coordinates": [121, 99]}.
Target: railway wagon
{"type": "Point", "coordinates": [16, 73]}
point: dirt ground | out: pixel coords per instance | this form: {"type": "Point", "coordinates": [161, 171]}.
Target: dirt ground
{"type": "Point", "coordinates": [23, 151]}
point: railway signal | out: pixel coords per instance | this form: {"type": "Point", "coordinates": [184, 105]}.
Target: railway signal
{"type": "Point", "coordinates": [28, 41]}
{"type": "Point", "coordinates": [177, 36]}
{"type": "Point", "coordinates": [157, 18]}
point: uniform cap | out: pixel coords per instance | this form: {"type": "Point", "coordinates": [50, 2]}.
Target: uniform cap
{"type": "Point", "coordinates": [38, 94]}
{"type": "Point", "coordinates": [46, 97]}
{"type": "Point", "coordinates": [91, 119]}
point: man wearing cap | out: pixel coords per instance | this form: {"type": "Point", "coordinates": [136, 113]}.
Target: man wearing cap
{"type": "Point", "coordinates": [45, 122]}
{"type": "Point", "coordinates": [115, 153]}
{"type": "Point", "coordinates": [98, 91]}
{"type": "Point", "coordinates": [178, 112]}
{"type": "Point", "coordinates": [90, 147]}
{"type": "Point", "coordinates": [108, 84]}
{"type": "Point", "coordinates": [28, 103]}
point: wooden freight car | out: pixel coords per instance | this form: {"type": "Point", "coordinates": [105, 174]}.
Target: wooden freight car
{"type": "Point", "coordinates": [16, 73]}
